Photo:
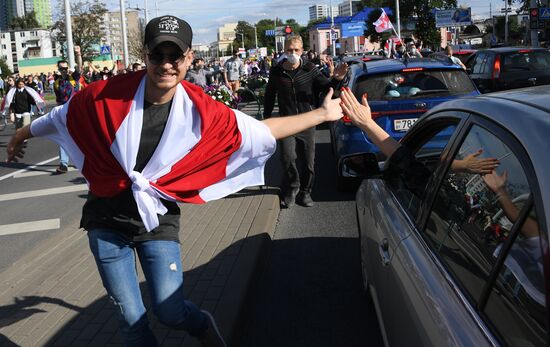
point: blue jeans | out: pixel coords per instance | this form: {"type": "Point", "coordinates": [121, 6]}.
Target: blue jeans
{"type": "Point", "coordinates": [161, 264]}
{"type": "Point", "coordinates": [63, 157]}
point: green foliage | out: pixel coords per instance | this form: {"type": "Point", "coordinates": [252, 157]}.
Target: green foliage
{"type": "Point", "coordinates": [5, 69]}
{"type": "Point", "coordinates": [87, 16]}
{"type": "Point", "coordinates": [27, 21]}
{"type": "Point", "coordinates": [515, 31]}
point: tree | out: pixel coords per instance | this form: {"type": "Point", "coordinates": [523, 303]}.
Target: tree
{"type": "Point", "coordinates": [422, 10]}
{"type": "Point", "coordinates": [261, 27]}
{"type": "Point", "coordinates": [27, 21]}
{"type": "Point", "coordinates": [5, 69]}
{"type": "Point", "coordinates": [87, 16]}
{"type": "Point", "coordinates": [247, 30]}
{"type": "Point", "coordinates": [135, 44]}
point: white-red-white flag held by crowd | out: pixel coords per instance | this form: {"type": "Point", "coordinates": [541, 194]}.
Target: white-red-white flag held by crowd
{"type": "Point", "coordinates": [383, 23]}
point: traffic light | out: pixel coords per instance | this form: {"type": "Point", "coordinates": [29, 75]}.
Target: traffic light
{"type": "Point", "coordinates": [534, 18]}
{"type": "Point", "coordinates": [288, 30]}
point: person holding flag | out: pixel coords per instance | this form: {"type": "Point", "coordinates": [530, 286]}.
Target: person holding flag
{"type": "Point", "coordinates": [21, 99]}
{"type": "Point", "coordinates": [145, 141]}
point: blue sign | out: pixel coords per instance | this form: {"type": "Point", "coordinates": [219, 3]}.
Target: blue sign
{"type": "Point", "coordinates": [456, 17]}
{"type": "Point", "coordinates": [105, 50]}
{"type": "Point", "coordinates": [351, 29]}
{"type": "Point", "coordinates": [270, 33]}
{"type": "Point", "coordinates": [544, 13]}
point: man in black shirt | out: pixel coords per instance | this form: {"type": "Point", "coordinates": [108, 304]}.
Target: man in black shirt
{"type": "Point", "coordinates": [21, 105]}
{"type": "Point", "coordinates": [143, 141]}
{"type": "Point", "coordinates": [296, 85]}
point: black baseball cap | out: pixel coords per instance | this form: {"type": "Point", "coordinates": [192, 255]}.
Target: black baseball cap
{"type": "Point", "coordinates": [168, 29]}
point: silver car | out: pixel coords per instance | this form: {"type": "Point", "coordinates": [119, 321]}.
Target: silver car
{"type": "Point", "coordinates": [449, 256]}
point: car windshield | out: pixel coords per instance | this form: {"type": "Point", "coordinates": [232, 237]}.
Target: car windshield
{"type": "Point", "coordinates": [526, 60]}
{"type": "Point", "coordinates": [413, 84]}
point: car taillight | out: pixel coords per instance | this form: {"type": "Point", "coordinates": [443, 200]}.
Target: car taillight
{"type": "Point", "coordinates": [412, 69]}
{"type": "Point", "coordinates": [496, 68]}
{"type": "Point", "coordinates": [525, 51]}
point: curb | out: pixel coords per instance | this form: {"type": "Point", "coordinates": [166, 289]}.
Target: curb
{"type": "Point", "coordinates": [231, 306]}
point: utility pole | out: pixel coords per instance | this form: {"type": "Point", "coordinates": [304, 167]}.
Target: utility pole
{"type": "Point", "coordinates": [124, 34]}
{"type": "Point", "coordinates": [397, 19]}
{"type": "Point", "coordinates": [69, 31]}
{"type": "Point", "coordinates": [332, 43]}
{"type": "Point", "coordinates": [275, 36]}
{"type": "Point", "coordinates": [256, 38]}
{"type": "Point", "coordinates": [146, 13]}
{"type": "Point", "coordinates": [506, 22]}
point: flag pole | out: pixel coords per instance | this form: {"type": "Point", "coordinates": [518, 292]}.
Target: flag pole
{"type": "Point", "coordinates": [396, 33]}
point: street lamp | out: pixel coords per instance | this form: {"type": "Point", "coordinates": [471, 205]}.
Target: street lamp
{"type": "Point", "coordinates": [242, 38]}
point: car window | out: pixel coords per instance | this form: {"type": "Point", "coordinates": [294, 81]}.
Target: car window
{"type": "Point", "coordinates": [517, 304]}
{"type": "Point", "coordinates": [477, 63]}
{"type": "Point", "coordinates": [469, 223]}
{"type": "Point", "coordinates": [413, 85]}
{"type": "Point", "coordinates": [410, 185]}
{"type": "Point", "coordinates": [526, 60]}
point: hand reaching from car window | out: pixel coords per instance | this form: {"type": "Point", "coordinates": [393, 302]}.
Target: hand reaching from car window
{"type": "Point", "coordinates": [360, 114]}
{"type": "Point", "coordinates": [475, 165]}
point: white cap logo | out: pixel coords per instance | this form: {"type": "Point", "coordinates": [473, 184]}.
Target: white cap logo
{"type": "Point", "coordinates": [169, 25]}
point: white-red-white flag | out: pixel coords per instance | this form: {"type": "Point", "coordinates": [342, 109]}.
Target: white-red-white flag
{"type": "Point", "coordinates": [383, 23]}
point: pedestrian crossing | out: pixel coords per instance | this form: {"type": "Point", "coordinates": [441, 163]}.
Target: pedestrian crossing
{"type": "Point", "coordinates": [34, 171]}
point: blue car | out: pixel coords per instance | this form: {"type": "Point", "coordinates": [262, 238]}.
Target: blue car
{"type": "Point", "coordinates": [399, 92]}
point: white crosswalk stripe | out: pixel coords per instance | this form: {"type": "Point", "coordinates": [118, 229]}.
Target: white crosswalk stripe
{"type": "Point", "coordinates": [43, 192]}
{"type": "Point", "coordinates": [26, 227]}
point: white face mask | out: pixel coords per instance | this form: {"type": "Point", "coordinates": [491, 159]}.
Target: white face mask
{"type": "Point", "coordinates": [293, 58]}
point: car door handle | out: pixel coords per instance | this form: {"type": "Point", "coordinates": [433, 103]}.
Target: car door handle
{"type": "Point", "coordinates": [384, 252]}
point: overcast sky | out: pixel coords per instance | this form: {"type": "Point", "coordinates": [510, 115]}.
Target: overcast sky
{"type": "Point", "coordinates": [206, 16]}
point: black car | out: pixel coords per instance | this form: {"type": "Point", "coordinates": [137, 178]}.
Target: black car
{"type": "Point", "coordinates": [509, 68]}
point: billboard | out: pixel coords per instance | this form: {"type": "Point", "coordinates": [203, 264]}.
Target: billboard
{"type": "Point", "coordinates": [456, 17]}
{"type": "Point", "coordinates": [352, 29]}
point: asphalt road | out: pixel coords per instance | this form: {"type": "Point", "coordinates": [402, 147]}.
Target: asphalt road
{"type": "Point", "coordinates": [34, 203]}
{"type": "Point", "coordinates": [310, 292]}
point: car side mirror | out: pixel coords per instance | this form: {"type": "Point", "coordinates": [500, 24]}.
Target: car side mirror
{"type": "Point", "coordinates": [359, 165]}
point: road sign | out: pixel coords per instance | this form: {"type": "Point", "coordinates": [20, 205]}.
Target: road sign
{"type": "Point", "coordinates": [544, 13]}
{"type": "Point", "coordinates": [270, 33]}
{"type": "Point", "coordinates": [105, 50]}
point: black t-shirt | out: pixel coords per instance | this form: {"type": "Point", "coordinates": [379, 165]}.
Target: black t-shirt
{"type": "Point", "coordinates": [22, 102]}
{"type": "Point", "coordinates": [120, 212]}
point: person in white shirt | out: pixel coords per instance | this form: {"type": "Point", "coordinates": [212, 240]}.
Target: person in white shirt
{"type": "Point", "coordinates": [455, 60]}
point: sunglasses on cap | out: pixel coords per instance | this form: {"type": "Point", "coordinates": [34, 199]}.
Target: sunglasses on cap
{"type": "Point", "coordinates": [157, 58]}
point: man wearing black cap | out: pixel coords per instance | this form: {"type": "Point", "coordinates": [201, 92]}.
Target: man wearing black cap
{"type": "Point", "coordinates": [145, 141]}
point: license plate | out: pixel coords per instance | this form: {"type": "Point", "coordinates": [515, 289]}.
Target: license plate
{"type": "Point", "coordinates": [403, 124]}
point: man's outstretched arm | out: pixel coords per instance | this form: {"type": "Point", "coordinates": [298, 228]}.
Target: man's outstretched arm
{"type": "Point", "coordinates": [282, 127]}
{"type": "Point", "coordinates": [16, 143]}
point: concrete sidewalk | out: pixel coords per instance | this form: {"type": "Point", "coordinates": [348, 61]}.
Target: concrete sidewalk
{"type": "Point", "coordinates": [53, 296]}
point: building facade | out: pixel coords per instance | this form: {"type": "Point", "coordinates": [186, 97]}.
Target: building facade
{"type": "Point", "coordinates": [322, 11]}
{"type": "Point", "coordinates": [347, 7]}
{"type": "Point", "coordinates": [226, 36]}
{"type": "Point", "coordinates": [112, 28]}
{"type": "Point", "coordinates": [10, 9]}
{"type": "Point", "coordinates": [20, 45]}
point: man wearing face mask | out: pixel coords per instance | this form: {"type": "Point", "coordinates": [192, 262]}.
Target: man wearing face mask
{"type": "Point", "coordinates": [198, 74]}
{"type": "Point", "coordinates": [296, 85]}
{"type": "Point", "coordinates": [233, 71]}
